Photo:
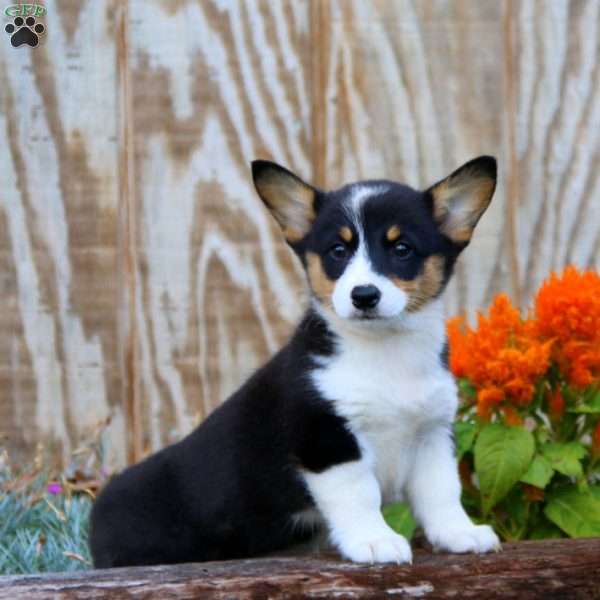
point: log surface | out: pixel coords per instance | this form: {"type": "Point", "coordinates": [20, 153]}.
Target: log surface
{"type": "Point", "coordinates": [528, 570]}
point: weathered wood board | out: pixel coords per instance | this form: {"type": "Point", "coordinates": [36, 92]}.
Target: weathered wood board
{"type": "Point", "coordinates": [554, 120]}
{"type": "Point", "coordinates": [220, 84]}
{"type": "Point", "coordinates": [412, 91]}
{"type": "Point", "coordinates": [60, 243]}
{"type": "Point", "coordinates": [141, 278]}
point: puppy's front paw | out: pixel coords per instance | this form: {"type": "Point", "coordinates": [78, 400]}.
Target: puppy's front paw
{"type": "Point", "coordinates": [475, 538]}
{"type": "Point", "coordinates": [389, 548]}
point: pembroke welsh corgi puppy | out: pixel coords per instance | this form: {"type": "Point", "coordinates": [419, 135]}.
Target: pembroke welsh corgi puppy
{"type": "Point", "coordinates": [355, 411]}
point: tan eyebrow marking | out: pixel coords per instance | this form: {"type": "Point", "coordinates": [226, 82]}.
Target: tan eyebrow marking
{"type": "Point", "coordinates": [346, 233]}
{"type": "Point", "coordinates": [393, 233]}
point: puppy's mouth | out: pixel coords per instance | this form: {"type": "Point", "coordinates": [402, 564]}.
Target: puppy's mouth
{"type": "Point", "coordinates": [366, 315]}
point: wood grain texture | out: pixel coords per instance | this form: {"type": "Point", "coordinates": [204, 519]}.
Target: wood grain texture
{"type": "Point", "coordinates": [556, 53]}
{"type": "Point", "coordinates": [220, 84]}
{"type": "Point", "coordinates": [413, 90]}
{"type": "Point", "coordinates": [58, 201]}
{"type": "Point", "coordinates": [142, 280]}
{"type": "Point", "coordinates": [546, 570]}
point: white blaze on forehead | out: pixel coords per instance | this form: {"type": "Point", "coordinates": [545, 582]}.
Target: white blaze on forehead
{"type": "Point", "coordinates": [359, 270]}
{"type": "Point", "coordinates": [359, 193]}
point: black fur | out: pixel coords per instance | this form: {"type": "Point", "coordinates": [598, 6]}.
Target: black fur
{"type": "Point", "coordinates": [445, 355]}
{"type": "Point", "coordinates": [230, 488]}
{"type": "Point", "coordinates": [399, 205]}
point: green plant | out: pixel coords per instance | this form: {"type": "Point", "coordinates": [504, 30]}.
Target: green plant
{"type": "Point", "coordinates": [528, 435]}
{"type": "Point", "coordinates": [48, 535]}
{"type": "Point", "coordinates": [44, 514]}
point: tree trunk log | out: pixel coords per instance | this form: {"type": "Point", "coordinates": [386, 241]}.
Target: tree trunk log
{"type": "Point", "coordinates": [527, 570]}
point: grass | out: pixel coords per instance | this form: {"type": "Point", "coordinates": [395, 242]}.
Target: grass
{"type": "Point", "coordinates": [44, 514]}
{"type": "Point", "coordinates": [49, 535]}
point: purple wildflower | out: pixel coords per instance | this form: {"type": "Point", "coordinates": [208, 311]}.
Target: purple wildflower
{"type": "Point", "coordinates": [54, 488]}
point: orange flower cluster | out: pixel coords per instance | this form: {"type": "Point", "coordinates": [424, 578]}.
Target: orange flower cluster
{"type": "Point", "coordinates": [505, 355]}
{"type": "Point", "coordinates": [503, 358]}
{"type": "Point", "coordinates": [567, 309]}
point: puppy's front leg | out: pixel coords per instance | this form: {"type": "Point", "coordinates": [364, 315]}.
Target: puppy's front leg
{"type": "Point", "coordinates": [349, 498]}
{"type": "Point", "coordinates": [434, 492]}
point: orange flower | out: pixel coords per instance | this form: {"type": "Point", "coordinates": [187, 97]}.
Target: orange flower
{"type": "Point", "coordinates": [567, 309]}
{"type": "Point", "coordinates": [556, 404]}
{"type": "Point", "coordinates": [502, 357]}
{"type": "Point", "coordinates": [511, 416]}
{"type": "Point", "coordinates": [456, 359]}
{"type": "Point", "coordinates": [487, 399]}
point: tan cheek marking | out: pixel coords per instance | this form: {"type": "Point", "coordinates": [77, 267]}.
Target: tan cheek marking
{"type": "Point", "coordinates": [346, 234]}
{"type": "Point", "coordinates": [393, 233]}
{"type": "Point", "coordinates": [321, 285]}
{"type": "Point", "coordinates": [409, 287]}
{"type": "Point", "coordinates": [425, 286]}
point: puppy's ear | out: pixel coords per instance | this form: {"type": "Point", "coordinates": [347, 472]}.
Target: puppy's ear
{"type": "Point", "coordinates": [290, 200]}
{"type": "Point", "coordinates": [461, 198]}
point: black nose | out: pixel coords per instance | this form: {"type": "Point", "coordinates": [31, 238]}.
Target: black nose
{"type": "Point", "coordinates": [365, 296]}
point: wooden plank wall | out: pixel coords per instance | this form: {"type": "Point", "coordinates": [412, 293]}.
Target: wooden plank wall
{"type": "Point", "coordinates": [140, 277]}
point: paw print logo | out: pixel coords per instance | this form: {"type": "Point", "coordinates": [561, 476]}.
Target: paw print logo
{"type": "Point", "coordinates": [25, 31]}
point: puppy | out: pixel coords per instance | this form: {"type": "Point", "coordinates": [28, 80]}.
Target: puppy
{"type": "Point", "coordinates": [355, 411]}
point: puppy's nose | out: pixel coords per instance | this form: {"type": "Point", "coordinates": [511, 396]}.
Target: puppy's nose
{"type": "Point", "coordinates": [365, 296]}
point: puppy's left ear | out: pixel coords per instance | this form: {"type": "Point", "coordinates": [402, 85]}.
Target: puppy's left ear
{"type": "Point", "coordinates": [461, 198]}
{"type": "Point", "coordinates": [290, 200]}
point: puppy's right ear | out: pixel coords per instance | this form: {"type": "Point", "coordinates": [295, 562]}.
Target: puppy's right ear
{"type": "Point", "coordinates": [290, 200]}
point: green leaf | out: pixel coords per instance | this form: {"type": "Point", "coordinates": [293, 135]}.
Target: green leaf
{"type": "Point", "coordinates": [565, 457]}
{"type": "Point", "coordinates": [502, 456]}
{"type": "Point", "coordinates": [539, 473]}
{"type": "Point", "coordinates": [590, 405]}
{"type": "Point", "coordinates": [400, 519]}
{"type": "Point", "coordinates": [545, 530]}
{"type": "Point", "coordinates": [576, 513]}
{"type": "Point", "coordinates": [515, 513]}
{"type": "Point", "coordinates": [592, 395]}
{"type": "Point", "coordinates": [466, 389]}
{"type": "Point", "coordinates": [464, 434]}
{"type": "Point", "coordinates": [542, 435]}
{"type": "Point", "coordinates": [595, 491]}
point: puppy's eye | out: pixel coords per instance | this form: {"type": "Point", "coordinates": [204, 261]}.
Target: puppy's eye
{"type": "Point", "coordinates": [338, 251]}
{"type": "Point", "coordinates": [402, 250]}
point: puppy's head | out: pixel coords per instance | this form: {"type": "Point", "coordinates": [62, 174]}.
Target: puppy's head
{"type": "Point", "coordinates": [376, 250]}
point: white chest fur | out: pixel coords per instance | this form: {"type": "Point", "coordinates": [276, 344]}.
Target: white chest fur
{"type": "Point", "coordinates": [391, 388]}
